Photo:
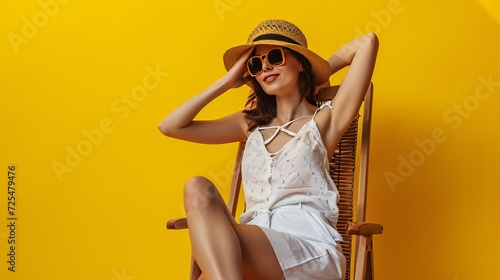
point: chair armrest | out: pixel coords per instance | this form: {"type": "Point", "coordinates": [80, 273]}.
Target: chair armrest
{"type": "Point", "coordinates": [364, 228]}
{"type": "Point", "coordinates": [177, 224]}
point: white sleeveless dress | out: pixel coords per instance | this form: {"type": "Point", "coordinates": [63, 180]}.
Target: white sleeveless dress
{"type": "Point", "coordinates": [291, 196]}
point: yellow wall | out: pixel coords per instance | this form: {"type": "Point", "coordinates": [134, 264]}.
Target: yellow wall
{"type": "Point", "coordinates": [83, 85]}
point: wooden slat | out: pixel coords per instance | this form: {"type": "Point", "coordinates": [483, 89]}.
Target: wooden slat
{"type": "Point", "coordinates": [342, 168]}
{"type": "Point", "coordinates": [342, 171]}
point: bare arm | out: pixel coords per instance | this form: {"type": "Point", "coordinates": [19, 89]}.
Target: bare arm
{"type": "Point", "coordinates": [180, 123]}
{"type": "Point", "coordinates": [360, 54]}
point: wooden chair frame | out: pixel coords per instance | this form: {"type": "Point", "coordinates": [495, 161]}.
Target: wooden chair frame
{"type": "Point", "coordinates": [342, 169]}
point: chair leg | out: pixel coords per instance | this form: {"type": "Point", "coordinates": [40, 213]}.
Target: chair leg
{"type": "Point", "coordinates": [195, 270]}
{"type": "Point", "coordinates": [364, 269]}
{"type": "Point", "coordinates": [369, 266]}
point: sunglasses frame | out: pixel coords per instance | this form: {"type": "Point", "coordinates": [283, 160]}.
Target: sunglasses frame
{"type": "Point", "coordinates": [261, 57]}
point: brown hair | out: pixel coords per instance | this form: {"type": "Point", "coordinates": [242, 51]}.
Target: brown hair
{"type": "Point", "coordinates": [262, 106]}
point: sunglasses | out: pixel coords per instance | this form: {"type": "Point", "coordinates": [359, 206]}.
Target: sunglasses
{"type": "Point", "coordinates": [275, 57]}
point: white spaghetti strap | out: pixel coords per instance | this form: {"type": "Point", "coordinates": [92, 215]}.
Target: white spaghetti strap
{"type": "Point", "coordinates": [326, 104]}
{"type": "Point", "coordinates": [280, 128]}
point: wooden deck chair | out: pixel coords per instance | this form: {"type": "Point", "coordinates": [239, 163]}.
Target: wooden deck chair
{"type": "Point", "coordinates": [342, 171]}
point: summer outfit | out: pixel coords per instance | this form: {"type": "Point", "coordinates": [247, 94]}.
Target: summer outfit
{"type": "Point", "coordinates": [292, 198]}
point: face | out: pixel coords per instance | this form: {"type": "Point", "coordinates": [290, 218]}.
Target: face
{"type": "Point", "coordinates": [278, 80]}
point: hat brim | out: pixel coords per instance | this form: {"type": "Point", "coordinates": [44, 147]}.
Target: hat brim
{"type": "Point", "coordinates": [320, 67]}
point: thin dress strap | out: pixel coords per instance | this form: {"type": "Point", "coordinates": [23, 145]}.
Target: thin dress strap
{"type": "Point", "coordinates": [280, 128]}
{"type": "Point", "coordinates": [326, 104]}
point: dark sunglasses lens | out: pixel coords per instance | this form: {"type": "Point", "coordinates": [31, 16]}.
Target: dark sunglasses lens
{"type": "Point", "coordinates": [254, 65]}
{"type": "Point", "coordinates": [275, 57]}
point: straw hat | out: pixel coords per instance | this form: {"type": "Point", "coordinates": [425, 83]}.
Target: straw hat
{"type": "Point", "coordinates": [280, 33]}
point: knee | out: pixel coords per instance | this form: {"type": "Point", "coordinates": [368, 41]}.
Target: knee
{"type": "Point", "coordinates": [199, 193]}
{"type": "Point", "coordinates": [197, 185]}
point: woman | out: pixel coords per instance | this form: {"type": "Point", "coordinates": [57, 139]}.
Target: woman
{"type": "Point", "coordinates": [288, 230]}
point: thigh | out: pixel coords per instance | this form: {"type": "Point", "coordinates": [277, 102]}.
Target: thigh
{"type": "Point", "coordinates": [259, 259]}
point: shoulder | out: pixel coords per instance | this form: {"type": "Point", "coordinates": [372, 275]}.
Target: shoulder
{"type": "Point", "coordinates": [328, 127]}
{"type": "Point", "coordinates": [323, 117]}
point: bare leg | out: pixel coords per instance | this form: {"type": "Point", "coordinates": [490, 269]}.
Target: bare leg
{"type": "Point", "coordinates": [222, 248]}
{"type": "Point", "coordinates": [213, 240]}
{"type": "Point", "coordinates": [259, 260]}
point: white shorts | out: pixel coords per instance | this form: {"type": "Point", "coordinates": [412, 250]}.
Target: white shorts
{"type": "Point", "coordinates": [303, 241]}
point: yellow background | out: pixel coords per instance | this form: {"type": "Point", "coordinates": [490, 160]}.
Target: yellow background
{"type": "Point", "coordinates": [73, 78]}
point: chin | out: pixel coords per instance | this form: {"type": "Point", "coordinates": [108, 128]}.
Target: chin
{"type": "Point", "coordinates": [272, 89]}
{"type": "Point", "coordinates": [270, 92]}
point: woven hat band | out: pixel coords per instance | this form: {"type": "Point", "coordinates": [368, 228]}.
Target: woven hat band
{"type": "Point", "coordinates": [277, 37]}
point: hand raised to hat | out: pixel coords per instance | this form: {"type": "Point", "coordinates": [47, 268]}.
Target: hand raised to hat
{"type": "Point", "coordinates": [234, 77]}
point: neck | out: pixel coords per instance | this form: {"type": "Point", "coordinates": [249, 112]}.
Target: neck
{"type": "Point", "coordinates": [289, 108]}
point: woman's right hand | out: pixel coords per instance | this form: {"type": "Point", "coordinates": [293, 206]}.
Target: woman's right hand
{"type": "Point", "coordinates": [235, 76]}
